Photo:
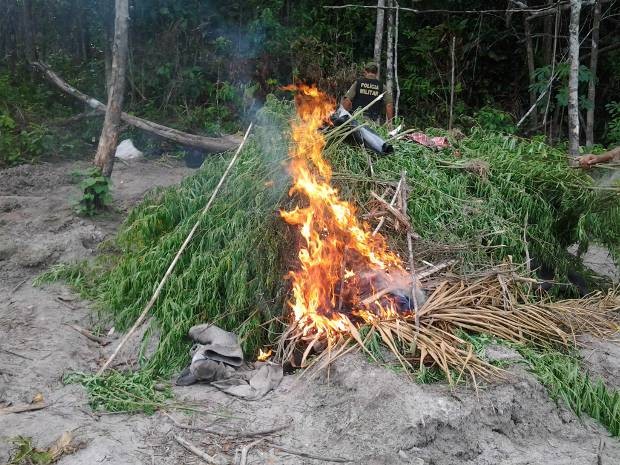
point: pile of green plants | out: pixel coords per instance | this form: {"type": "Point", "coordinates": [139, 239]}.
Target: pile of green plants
{"type": "Point", "coordinates": [565, 379]}
{"type": "Point", "coordinates": [486, 200]}
{"type": "Point", "coordinates": [491, 197]}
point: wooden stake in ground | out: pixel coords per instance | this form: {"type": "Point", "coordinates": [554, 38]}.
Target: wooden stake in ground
{"type": "Point", "coordinates": [151, 302]}
{"type": "Point", "coordinates": [389, 65]}
{"type": "Point", "coordinates": [104, 158]}
{"type": "Point", "coordinates": [414, 279]}
{"type": "Point", "coordinates": [452, 83]}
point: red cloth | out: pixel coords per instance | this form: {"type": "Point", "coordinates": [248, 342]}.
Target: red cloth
{"type": "Point", "coordinates": [432, 142]}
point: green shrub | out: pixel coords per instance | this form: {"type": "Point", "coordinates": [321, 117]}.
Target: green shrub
{"type": "Point", "coordinates": [96, 193]}
{"type": "Point", "coordinates": [492, 119]}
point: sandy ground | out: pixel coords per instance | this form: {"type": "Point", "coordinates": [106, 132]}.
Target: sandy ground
{"type": "Point", "coordinates": [361, 412]}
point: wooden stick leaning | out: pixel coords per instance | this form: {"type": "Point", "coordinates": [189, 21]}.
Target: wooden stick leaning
{"type": "Point", "coordinates": [414, 279]}
{"type": "Point", "coordinates": [151, 302]}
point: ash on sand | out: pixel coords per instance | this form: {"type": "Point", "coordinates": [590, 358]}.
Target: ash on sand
{"type": "Point", "coordinates": [360, 411]}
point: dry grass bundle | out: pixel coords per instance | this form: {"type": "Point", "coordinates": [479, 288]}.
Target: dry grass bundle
{"type": "Point", "coordinates": [493, 305]}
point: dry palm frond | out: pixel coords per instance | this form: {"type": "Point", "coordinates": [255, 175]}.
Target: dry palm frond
{"type": "Point", "coordinates": [491, 305]}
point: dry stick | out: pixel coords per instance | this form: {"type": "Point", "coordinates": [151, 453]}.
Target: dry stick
{"type": "Point", "coordinates": [65, 303]}
{"type": "Point", "coordinates": [245, 434]}
{"type": "Point", "coordinates": [397, 213]}
{"type": "Point", "coordinates": [452, 85]}
{"type": "Point", "coordinates": [369, 159]}
{"type": "Point", "coordinates": [194, 450]}
{"type": "Point", "coordinates": [414, 279]}
{"type": "Point", "coordinates": [151, 302]}
{"type": "Point", "coordinates": [308, 455]}
{"type": "Point", "coordinates": [392, 202]}
{"type": "Point", "coordinates": [10, 352]}
{"type": "Point", "coordinates": [23, 408]}
{"type": "Point", "coordinates": [87, 334]}
{"type": "Point", "coordinates": [536, 12]}
{"type": "Point", "coordinates": [528, 265]}
{"type": "Point", "coordinates": [342, 272]}
{"type": "Point", "coordinates": [245, 450]}
{"type": "Point", "coordinates": [20, 284]}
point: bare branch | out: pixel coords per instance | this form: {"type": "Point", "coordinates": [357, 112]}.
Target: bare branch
{"type": "Point", "coordinates": [540, 11]}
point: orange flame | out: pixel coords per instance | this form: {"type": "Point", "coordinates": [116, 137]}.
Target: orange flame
{"type": "Point", "coordinates": [264, 356]}
{"type": "Point", "coordinates": [336, 248]}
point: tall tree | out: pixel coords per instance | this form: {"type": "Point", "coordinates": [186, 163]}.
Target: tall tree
{"type": "Point", "coordinates": [389, 76]}
{"type": "Point", "coordinates": [27, 30]}
{"type": "Point", "coordinates": [573, 79]}
{"type": "Point", "coordinates": [548, 37]}
{"type": "Point", "coordinates": [379, 33]}
{"type": "Point", "coordinates": [104, 158]}
{"type": "Point", "coordinates": [531, 67]}
{"type": "Point", "coordinates": [397, 95]}
{"type": "Point", "coordinates": [596, 22]}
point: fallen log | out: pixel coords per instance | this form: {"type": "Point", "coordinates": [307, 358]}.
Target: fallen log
{"type": "Point", "coordinates": [209, 144]}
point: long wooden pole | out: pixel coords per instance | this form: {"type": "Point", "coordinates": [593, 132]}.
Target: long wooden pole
{"type": "Point", "coordinates": [573, 79]}
{"type": "Point", "coordinates": [452, 83]}
{"type": "Point", "coordinates": [151, 302]}
{"type": "Point", "coordinates": [379, 35]}
{"type": "Point", "coordinates": [397, 96]}
{"type": "Point", "coordinates": [596, 24]}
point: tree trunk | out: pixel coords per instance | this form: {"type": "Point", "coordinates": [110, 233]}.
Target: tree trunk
{"type": "Point", "coordinates": [573, 79]}
{"type": "Point", "coordinates": [104, 158]}
{"type": "Point", "coordinates": [389, 68]}
{"type": "Point", "coordinates": [452, 66]}
{"type": "Point", "coordinates": [379, 33]}
{"type": "Point", "coordinates": [531, 67]}
{"type": "Point", "coordinates": [397, 96]}
{"type": "Point", "coordinates": [556, 31]}
{"type": "Point", "coordinates": [596, 22]}
{"type": "Point", "coordinates": [82, 41]}
{"type": "Point", "coordinates": [548, 38]}
{"type": "Point", "coordinates": [29, 50]}
{"type": "Point", "coordinates": [108, 33]}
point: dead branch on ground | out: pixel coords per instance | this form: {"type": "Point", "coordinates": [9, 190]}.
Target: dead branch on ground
{"type": "Point", "coordinates": [210, 144]}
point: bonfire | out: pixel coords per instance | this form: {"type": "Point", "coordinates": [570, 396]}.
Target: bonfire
{"type": "Point", "coordinates": [349, 288]}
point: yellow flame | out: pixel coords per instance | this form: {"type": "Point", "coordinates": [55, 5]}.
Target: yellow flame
{"type": "Point", "coordinates": [328, 226]}
{"type": "Point", "coordinates": [263, 356]}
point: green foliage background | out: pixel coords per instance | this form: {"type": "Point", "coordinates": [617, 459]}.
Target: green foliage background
{"type": "Point", "coordinates": [206, 66]}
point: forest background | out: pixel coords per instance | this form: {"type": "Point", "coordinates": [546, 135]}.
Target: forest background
{"type": "Point", "coordinates": [207, 66]}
